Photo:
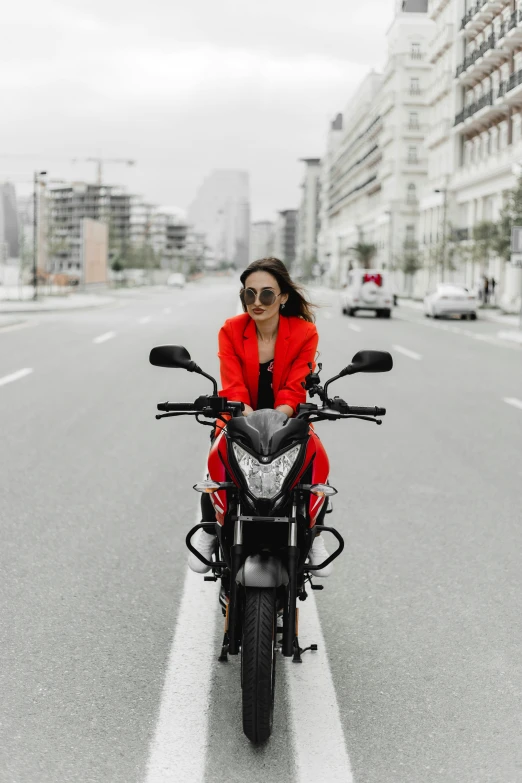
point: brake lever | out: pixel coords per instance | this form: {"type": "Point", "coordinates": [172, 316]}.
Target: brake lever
{"type": "Point", "coordinates": [178, 413]}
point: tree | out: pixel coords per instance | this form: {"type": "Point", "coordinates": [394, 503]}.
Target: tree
{"type": "Point", "coordinates": [485, 236]}
{"type": "Point", "coordinates": [510, 215]}
{"type": "Point", "coordinates": [365, 253]}
{"type": "Point", "coordinates": [410, 264]}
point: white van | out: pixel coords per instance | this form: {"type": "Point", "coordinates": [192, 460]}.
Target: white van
{"type": "Point", "coordinates": [368, 289]}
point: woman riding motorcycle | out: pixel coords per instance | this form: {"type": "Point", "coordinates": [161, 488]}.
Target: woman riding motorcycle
{"type": "Point", "coordinates": [265, 355]}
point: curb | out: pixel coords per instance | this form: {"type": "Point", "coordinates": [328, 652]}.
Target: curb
{"type": "Point", "coordinates": [54, 309]}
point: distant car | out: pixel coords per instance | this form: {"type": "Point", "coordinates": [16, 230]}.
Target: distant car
{"type": "Point", "coordinates": [449, 299]}
{"type": "Point", "coordinates": [368, 289]}
{"type": "Point", "coordinates": [177, 280]}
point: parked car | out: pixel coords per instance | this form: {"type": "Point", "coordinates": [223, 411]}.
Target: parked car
{"type": "Point", "coordinates": [449, 299]}
{"type": "Point", "coordinates": [368, 289]}
{"type": "Point", "coordinates": [177, 280]}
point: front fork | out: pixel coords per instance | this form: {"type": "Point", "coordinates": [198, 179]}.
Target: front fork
{"type": "Point", "coordinates": [236, 560]}
{"type": "Point", "coordinates": [289, 610]}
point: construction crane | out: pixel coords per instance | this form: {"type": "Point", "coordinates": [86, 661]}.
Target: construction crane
{"type": "Point", "coordinates": [99, 164]}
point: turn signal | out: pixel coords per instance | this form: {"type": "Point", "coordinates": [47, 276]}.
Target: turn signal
{"type": "Point", "coordinates": [323, 490]}
{"type": "Point", "coordinates": [207, 486]}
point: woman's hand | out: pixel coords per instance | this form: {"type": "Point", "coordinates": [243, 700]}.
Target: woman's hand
{"type": "Point", "coordinates": [286, 409]}
{"type": "Point", "coordinates": [248, 410]}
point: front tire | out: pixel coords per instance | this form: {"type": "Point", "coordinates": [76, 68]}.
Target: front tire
{"type": "Point", "coordinates": [258, 663]}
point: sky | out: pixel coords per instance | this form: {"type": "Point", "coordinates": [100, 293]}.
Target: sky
{"type": "Point", "coordinates": [182, 88]}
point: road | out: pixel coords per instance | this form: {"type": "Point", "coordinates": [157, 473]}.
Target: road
{"type": "Point", "coordinates": [108, 663]}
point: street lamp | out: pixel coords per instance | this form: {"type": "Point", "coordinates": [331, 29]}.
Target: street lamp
{"type": "Point", "coordinates": [36, 181]}
{"type": "Point", "coordinates": [443, 255]}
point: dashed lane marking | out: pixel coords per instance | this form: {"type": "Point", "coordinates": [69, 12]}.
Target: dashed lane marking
{"type": "Point", "coordinates": [15, 376]}
{"type": "Point", "coordinates": [320, 754]}
{"type": "Point", "coordinates": [355, 328]}
{"type": "Point", "coordinates": [514, 402]}
{"type": "Point", "coordinates": [498, 340]}
{"type": "Point", "coordinates": [167, 310]}
{"type": "Point", "coordinates": [104, 337]}
{"type": "Point", "coordinates": [145, 319]}
{"type": "Point", "coordinates": [407, 352]}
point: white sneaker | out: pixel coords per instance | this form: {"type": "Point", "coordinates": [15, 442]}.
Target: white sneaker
{"type": "Point", "coordinates": [318, 554]}
{"type": "Point", "coordinates": [206, 544]}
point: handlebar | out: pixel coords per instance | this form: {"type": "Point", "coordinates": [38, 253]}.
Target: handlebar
{"type": "Point", "coordinates": [358, 411]}
{"type": "Point", "coordinates": [176, 406]}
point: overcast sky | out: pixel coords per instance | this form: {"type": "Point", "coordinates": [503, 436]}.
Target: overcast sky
{"type": "Point", "coordinates": [181, 87]}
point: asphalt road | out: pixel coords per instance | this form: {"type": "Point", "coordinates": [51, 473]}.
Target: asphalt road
{"type": "Point", "coordinates": [108, 662]}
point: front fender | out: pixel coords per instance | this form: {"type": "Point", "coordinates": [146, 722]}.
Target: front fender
{"type": "Point", "coordinates": [262, 570]}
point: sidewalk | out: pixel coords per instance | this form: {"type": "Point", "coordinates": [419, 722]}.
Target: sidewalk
{"type": "Point", "coordinates": [53, 303]}
{"type": "Point", "coordinates": [511, 323]}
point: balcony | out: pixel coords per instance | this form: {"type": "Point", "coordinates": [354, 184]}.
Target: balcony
{"type": "Point", "coordinates": [438, 133]}
{"type": "Point", "coordinates": [475, 115]}
{"type": "Point", "coordinates": [415, 165]}
{"type": "Point", "coordinates": [481, 62]}
{"type": "Point", "coordinates": [442, 41]}
{"type": "Point", "coordinates": [511, 90]}
{"type": "Point", "coordinates": [480, 14]}
{"type": "Point", "coordinates": [513, 31]}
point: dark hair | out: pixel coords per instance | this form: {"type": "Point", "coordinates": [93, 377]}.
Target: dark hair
{"type": "Point", "coordinates": [297, 303]}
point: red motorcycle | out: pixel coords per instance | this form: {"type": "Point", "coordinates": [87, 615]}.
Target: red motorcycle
{"type": "Point", "coordinates": [268, 484]}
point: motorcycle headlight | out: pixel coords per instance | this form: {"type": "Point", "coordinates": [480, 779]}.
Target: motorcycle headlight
{"type": "Point", "coordinates": [265, 480]}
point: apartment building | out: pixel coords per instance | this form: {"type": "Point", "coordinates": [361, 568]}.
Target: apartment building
{"type": "Point", "coordinates": [285, 236]}
{"type": "Point", "coordinates": [261, 239]}
{"type": "Point", "coordinates": [307, 228]}
{"type": "Point", "coordinates": [66, 208]}
{"type": "Point", "coordinates": [378, 168]}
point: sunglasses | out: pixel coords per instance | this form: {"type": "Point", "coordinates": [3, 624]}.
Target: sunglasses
{"type": "Point", "coordinates": [267, 297]}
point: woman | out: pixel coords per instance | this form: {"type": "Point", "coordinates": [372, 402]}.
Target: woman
{"type": "Point", "coordinates": [265, 355]}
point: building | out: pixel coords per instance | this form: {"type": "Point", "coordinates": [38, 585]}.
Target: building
{"type": "Point", "coordinates": [67, 206]}
{"type": "Point", "coordinates": [9, 224]}
{"type": "Point", "coordinates": [325, 237]}
{"type": "Point", "coordinates": [376, 166]}
{"type": "Point", "coordinates": [261, 239]}
{"type": "Point", "coordinates": [285, 236]}
{"type": "Point", "coordinates": [221, 211]}
{"type": "Point", "coordinates": [308, 218]}
{"type": "Point", "coordinates": [475, 146]}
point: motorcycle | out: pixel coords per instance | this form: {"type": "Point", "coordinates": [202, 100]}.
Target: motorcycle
{"type": "Point", "coordinates": [268, 485]}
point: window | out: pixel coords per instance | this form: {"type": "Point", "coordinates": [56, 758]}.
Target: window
{"type": "Point", "coordinates": [414, 120]}
{"type": "Point", "coordinates": [414, 86]}
{"type": "Point", "coordinates": [412, 154]}
{"type": "Point", "coordinates": [411, 195]}
{"type": "Point", "coordinates": [416, 53]}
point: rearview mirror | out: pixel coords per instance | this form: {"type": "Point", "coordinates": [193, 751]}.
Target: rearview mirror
{"type": "Point", "coordinates": [172, 356]}
{"type": "Point", "coordinates": [369, 361]}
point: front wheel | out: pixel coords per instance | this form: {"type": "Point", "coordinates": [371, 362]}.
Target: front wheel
{"type": "Point", "coordinates": [258, 658]}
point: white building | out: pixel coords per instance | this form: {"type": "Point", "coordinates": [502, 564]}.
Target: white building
{"type": "Point", "coordinates": [476, 142]}
{"type": "Point", "coordinates": [285, 236]}
{"type": "Point", "coordinates": [221, 211]}
{"type": "Point", "coordinates": [378, 168]}
{"type": "Point", "coordinates": [261, 239]}
{"type": "Point", "coordinates": [307, 229]}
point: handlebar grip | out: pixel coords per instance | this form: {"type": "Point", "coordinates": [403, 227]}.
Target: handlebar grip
{"type": "Point", "coordinates": [358, 411]}
{"type": "Point", "coordinates": [169, 407]}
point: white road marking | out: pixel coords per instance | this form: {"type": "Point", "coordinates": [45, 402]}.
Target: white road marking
{"type": "Point", "coordinates": [104, 337]}
{"type": "Point", "coordinates": [320, 754]}
{"type": "Point", "coordinates": [514, 402]}
{"type": "Point", "coordinates": [167, 310]}
{"type": "Point", "coordinates": [512, 335]}
{"type": "Point", "coordinates": [355, 328]}
{"type": "Point", "coordinates": [15, 327]}
{"type": "Point", "coordinates": [407, 352]}
{"type": "Point", "coordinates": [145, 319]}
{"type": "Point", "coordinates": [15, 376]}
{"type": "Point", "coordinates": [178, 750]}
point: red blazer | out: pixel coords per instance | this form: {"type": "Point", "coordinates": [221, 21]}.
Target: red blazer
{"type": "Point", "coordinates": [296, 346]}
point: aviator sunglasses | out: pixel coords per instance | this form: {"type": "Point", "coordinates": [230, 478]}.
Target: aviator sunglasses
{"type": "Point", "coordinates": [267, 297]}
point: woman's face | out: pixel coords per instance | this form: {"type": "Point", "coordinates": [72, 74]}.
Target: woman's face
{"type": "Point", "coordinates": [259, 281]}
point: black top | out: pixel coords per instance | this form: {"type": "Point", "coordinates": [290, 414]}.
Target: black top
{"type": "Point", "coordinates": [265, 393]}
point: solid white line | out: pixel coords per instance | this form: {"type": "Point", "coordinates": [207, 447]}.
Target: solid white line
{"type": "Point", "coordinates": [512, 335]}
{"type": "Point", "coordinates": [513, 401]}
{"type": "Point", "coordinates": [407, 352]}
{"type": "Point", "coordinates": [167, 310]}
{"type": "Point", "coordinates": [355, 328]}
{"type": "Point", "coordinates": [145, 319]}
{"type": "Point", "coordinates": [104, 337]}
{"type": "Point", "coordinates": [178, 750]}
{"type": "Point", "coordinates": [320, 754]}
{"type": "Point", "coordinates": [16, 327]}
{"type": "Point", "coordinates": [15, 376]}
